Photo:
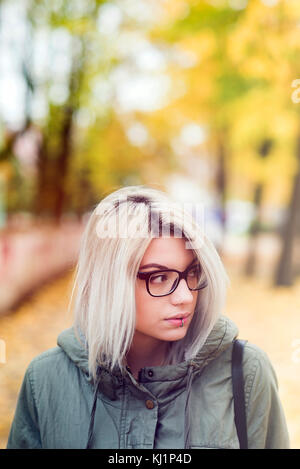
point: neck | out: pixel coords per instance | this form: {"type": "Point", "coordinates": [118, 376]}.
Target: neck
{"type": "Point", "coordinates": [145, 352]}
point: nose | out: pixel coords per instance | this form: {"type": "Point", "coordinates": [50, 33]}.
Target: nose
{"type": "Point", "coordinates": [182, 294]}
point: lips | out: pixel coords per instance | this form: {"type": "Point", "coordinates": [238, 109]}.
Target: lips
{"type": "Point", "coordinates": [179, 319]}
{"type": "Point", "coordinates": [179, 316]}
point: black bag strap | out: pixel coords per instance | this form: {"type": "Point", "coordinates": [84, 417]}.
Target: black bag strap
{"type": "Point", "coordinates": [238, 392]}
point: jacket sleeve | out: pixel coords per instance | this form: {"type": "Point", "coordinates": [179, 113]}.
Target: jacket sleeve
{"type": "Point", "coordinates": [24, 432]}
{"type": "Point", "coordinates": [267, 427]}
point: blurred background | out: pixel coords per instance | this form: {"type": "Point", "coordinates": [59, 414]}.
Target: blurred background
{"type": "Point", "coordinates": [198, 98]}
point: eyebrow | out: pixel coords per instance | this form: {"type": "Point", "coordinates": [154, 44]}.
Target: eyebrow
{"type": "Point", "coordinates": [159, 266]}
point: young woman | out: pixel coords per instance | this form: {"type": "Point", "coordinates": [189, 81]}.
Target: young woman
{"type": "Point", "coordinates": [147, 363]}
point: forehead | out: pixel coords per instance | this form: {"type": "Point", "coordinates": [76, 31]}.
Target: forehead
{"type": "Point", "coordinates": [168, 251]}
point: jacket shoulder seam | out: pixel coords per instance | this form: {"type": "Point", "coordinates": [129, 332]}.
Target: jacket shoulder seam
{"type": "Point", "coordinates": [32, 387]}
{"type": "Point", "coordinates": [48, 354]}
{"type": "Point", "coordinates": [34, 364]}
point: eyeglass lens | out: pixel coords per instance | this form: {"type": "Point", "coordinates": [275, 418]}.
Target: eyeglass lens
{"type": "Point", "coordinates": [163, 282]}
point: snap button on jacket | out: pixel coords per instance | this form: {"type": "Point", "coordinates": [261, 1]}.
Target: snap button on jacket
{"type": "Point", "coordinates": [149, 404]}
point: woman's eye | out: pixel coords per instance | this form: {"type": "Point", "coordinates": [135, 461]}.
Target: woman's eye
{"type": "Point", "coordinates": [158, 278]}
{"type": "Point", "coordinates": [194, 272]}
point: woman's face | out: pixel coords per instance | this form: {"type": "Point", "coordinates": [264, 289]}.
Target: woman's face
{"type": "Point", "coordinates": [155, 315]}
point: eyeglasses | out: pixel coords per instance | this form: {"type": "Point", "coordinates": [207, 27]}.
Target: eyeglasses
{"type": "Point", "coordinates": [164, 282]}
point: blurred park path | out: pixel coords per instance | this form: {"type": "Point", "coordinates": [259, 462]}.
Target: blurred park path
{"type": "Point", "coordinates": [27, 332]}
{"type": "Point", "coordinates": [266, 317]}
{"type": "Point", "coordinates": [269, 318]}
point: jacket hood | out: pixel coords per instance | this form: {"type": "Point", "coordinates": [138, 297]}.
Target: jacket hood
{"type": "Point", "coordinates": [219, 339]}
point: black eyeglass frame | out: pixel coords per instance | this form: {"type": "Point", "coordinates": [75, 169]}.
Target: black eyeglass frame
{"type": "Point", "coordinates": [182, 275]}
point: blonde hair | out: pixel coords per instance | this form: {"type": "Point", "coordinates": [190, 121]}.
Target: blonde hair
{"type": "Point", "coordinates": [113, 244]}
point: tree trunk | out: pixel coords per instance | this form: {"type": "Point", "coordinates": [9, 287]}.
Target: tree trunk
{"type": "Point", "coordinates": [254, 231]}
{"type": "Point", "coordinates": [263, 151]}
{"type": "Point", "coordinates": [221, 180]}
{"type": "Point", "coordinates": [284, 271]}
{"type": "Point", "coordinates": [76, 78]}
{"type": "Point", "coordinates": [42, 178]}
{"type": "Point", "coordinates": [62, 164]}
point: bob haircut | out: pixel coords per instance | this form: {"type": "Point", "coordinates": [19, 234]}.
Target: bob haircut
{"type": "Point", "coordinates": [113, 244]}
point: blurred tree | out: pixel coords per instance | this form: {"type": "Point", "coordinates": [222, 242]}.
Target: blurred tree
{"type": "Point", "coordinates": [214, 82]}
{"type": "Point", "coordinates": [247, 85]}
{"type": "Point", "coordinates": [15, 187]}
{"type": "Point", "coordinates": [221, 78]}
{"type": "Point", "coordinates": [10, 170]}
{"type": "Point", "coordinates": [83, 150]}
{"type": "Point", "coordinates": [284, 274]}
{"type": "Point", "coordinates": [255, 228]}
{"type": "Point", "coordinates": [277, 63]}
{"type": "Point", "coordinates": [56, 150]}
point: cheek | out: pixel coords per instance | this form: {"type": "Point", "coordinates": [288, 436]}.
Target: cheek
{"type": "Point", "coordinates": [143, 302]}
{"type": "Point", "coordinates": [148, 308]}
{"type": "Point", "coordinates": [141, 295]}
{"type": "Point", "coordinates": [195, 294]}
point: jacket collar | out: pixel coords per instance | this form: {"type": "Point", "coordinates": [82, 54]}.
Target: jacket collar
{"type": "Point", "coordinates": [219, 339]}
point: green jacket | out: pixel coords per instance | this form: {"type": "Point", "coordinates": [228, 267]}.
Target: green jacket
{"type": "Point", "coordinates": [59, 405]}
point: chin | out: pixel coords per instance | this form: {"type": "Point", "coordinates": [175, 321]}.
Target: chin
{"type": "Point", "coordinates": [174, 335]}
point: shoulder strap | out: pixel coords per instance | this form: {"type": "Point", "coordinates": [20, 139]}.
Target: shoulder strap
{"type": "Point", "coordinates": [238, 392]}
